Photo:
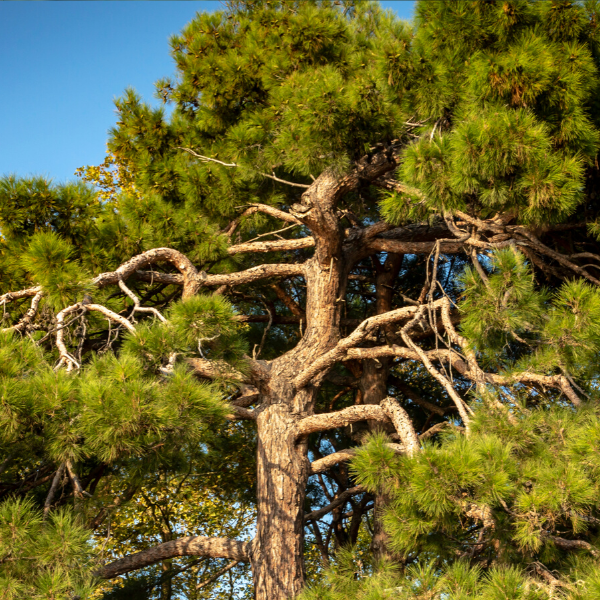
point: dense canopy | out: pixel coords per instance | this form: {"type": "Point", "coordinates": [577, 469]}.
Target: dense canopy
{"type": "Point", "coordinates": [328, 326]}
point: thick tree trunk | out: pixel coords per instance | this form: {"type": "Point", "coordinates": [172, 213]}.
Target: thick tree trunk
{"type": "Point", "coordinates": [283, 468]}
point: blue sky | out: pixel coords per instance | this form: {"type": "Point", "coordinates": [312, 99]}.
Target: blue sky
{"type": "Point", "coordinates": [63, 63]}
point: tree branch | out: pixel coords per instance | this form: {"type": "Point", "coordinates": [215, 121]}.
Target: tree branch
{"type": "Point", "coordinates": [565, 544]}
{"type": "Point", "coordinates": [264, 208]}
{"type": "Point", "coordinates": [230, 279]}
{"type": "Point", "coordinates": [315, 515]}
{"type": "Point", "coordinates": [323, 464]}
{"type": "Point", "coordinates": [188, 546]}
{"type": "Point", "coordinates": [28, 316]}
{"type": "Point", "coordinates": [218, 574]}
{"type": "Point", "coordinates": [340, 418]}
{"type": "Point", "coordinates": [191, 277]}
{"type": "Point", "coordinates": [230, 165]}
{"type": "Point", "coordinates": [136, 302]}
{"type": "Point", "coordinates": [275, 246]}
{"type": "Point", "coordinates": [399, 417]}
{"type": "Point", "coordinates": [53, 487]}
{"type": "Point", "coordinates": [338, 353]}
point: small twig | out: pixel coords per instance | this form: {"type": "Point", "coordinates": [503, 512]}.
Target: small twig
{"type": "Point", "coordinates": [136, 303]}
{"type": "Point", "coordinates": [77, 487]}
{"type": "Point", "coordinates": [265, 332]}
{"type": "Point", "coordinates": [218, 574]}
{"type": "Point", "coordinates": [229, 165]}
{"type": "Point", "coordinates": [105, 540]}
{"type": "Point", "coordinates": [170, 366]}
{"type": "Point", "coordinates": [82, 339]}
{"type": "Point", "coordinates": [272, 232]}
{"type": "Point", "coordinates": [207, 158]}
{"type": "Point", "coordinates": [275, 178]}
{"type": "Point", "coordinates": [53, 488]}
{"type": "Point", "coordinates": [206, 339]}
{"type": "Point", "coordinates": [479, 268]}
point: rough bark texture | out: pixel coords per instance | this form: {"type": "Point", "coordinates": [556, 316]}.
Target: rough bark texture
{"type": "Point", "coordinates": [282, 475]}
{"type": "Point", "coordinates": [191, 546]}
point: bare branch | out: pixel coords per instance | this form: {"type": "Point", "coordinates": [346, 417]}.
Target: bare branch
{"type": "Point", "coordinates": [219, 162]}
{"type": "Point", "coordinates": [136, 302]}
{"type": "Point", "coordinates": [399, 417]}
{"type": "Point", "coordinates": [27, 293]}
{"type": "Point", "coordinates": [289, 302]}
{"type": "Point", "coordinates": [125, 497]}
{"type": "Point", "coordinates": [248, 396]}
{"type": "Point", "coordinates": [340, 418]}
{"type": "Point", "coordinates": [77, 487]}
{"type": "Point", "coordinates": [264, 208]}
{"type": "Point", "coordinates": [65, 357]}
{"type": "Point", "coordinates": [342, 348]}
{"type": "Point", "coordinates": [218, 574]}
{"type": "Point", "coordinates": [109, 314]}
{"type": "Point", "coordinates": [276, 246]}
{"type": "Point", "coordinates": [158, 277]}
{"type": "Point", "coordinates": [561, 258]}
{"type": "Point", "coordinates": [565, 544]}
{"type": "Point", "coordinates": [206, 158]}
{"type": "Point", "coordinates": [239, 412]}
{"type": "Point", "coordinates": [323, 464]}
{"type": "Point", "coordinates": [53, 488]}
{"type": "Point", "coordinates": [262, 235]}
{"type": "Point", "coordinates": [28, 316]}
{"type": "Point", "coordinates": [191, 278]}
{"type": "Point", "coordinates": [315, 515]}
{"type": "Point", "coordinates": [188, 546]}
{"type": "Point", "coordinates": [254, 274]}
{"type": "Point", "coordinates": [460, 404]}
{"type": "Point", "coordinates": [215, 369]}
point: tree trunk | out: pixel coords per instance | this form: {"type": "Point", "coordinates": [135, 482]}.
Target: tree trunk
{"type": "Point", "coordinates": [373, 385]}
{"type": "Point", "coordinates": [283, 466]}
{"type": "Point", "coordinates": [278, 548]}
{"type": "Point", "coordinates": [167, 584]}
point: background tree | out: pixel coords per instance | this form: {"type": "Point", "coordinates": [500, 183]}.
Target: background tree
{"type": "Point", "coordinates": [344, 224]}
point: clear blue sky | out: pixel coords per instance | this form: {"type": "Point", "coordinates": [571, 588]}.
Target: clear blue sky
{"type": "Point", "coordinates": [63, 63]}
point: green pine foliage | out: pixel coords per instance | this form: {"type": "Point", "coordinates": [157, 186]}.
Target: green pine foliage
{"type": "Point", "coordinates": [288, 88]}
{"type": "Point", "coordinates": [518, 326]}
{"type": "Point", "coordinates": [522, 484]}
{"type": "Point", "coordinates": [43, 559]}
{"type": "Point", "coordinates": [49, 261]}
{"type": "Point", "coordinates": [202, 327]}
{"type": "Point", "coordinates": [30, 206]}
{"type": "Point", "coordinates": [513, 85]}
{"type": "Point", "coordinates": [115, 408]}
{"type": "Point", "coordinates": [459, 581]}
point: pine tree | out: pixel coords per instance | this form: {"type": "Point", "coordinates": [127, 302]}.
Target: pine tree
{"type": "Point", "coordinates": [354, 239]}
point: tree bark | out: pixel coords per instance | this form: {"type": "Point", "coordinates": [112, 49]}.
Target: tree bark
{"type": "Point", "coordinates": [283, 469]}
